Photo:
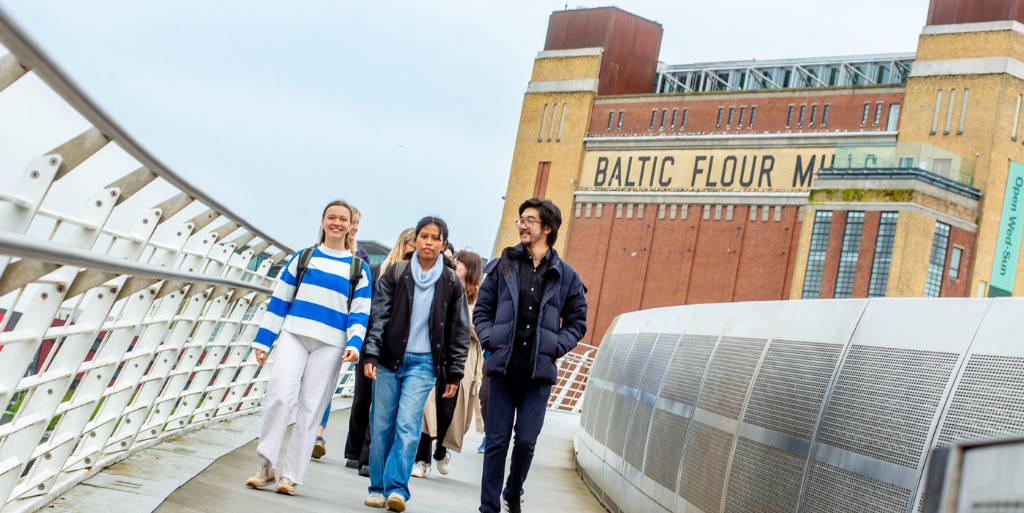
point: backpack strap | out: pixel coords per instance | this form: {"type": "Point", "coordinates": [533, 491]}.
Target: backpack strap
{"type": "Point", "coordinates": [355, 271]}
{"type": "Point", "coordinates": [398, 268]}
{"type": "Point", "coordinates": [304, 257]}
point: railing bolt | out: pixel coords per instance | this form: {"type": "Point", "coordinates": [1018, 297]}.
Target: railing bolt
{"type": "Point", "coordinates": [99, 296]}
{"type": "Point", "coordinates": [44, 295]}
{"type": "Point", "coordinates": [53, 161]}
{"type": "Point", "coordinates": [92, 434]}
{"type": "Point", "coordinates": [124, 444]}
{"type": "Point", "coordinates": [179, 234]}
{"type": "Point", "coordinates": [34, 174]}
{"type": "Point", "coordinates": [158, 411]}
{"type": "Point", "coordinates": [88, 461]}
{"type": "Point", "coordinates": [152, 431]}
{"type": "Point", "coordinates": [99, 376]}
{"type": "Point", "coordinates": [47, 456]}
{"type": "Point", "coordinates": [42, 486]}
{"type": "Point", "coordinates": [49, 391]}
{"type": "Point", "coordinates": [145, 221]}
{"type": "Point", "coordinates": [127, 421]}
{"type": "Point", "coordinates": [60, 288]}
{"type": "Point", "coordinates": [99, 203]}
{"type": "Point", "coordinates": [113, 194]}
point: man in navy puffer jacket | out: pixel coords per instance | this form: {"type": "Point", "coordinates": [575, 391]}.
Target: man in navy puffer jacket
{"type": "Point", "coordinates": [531, 310]}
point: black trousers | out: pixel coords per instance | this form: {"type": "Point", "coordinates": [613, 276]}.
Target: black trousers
{"type": "Point", "coordinates": [445, 414]}
{"type": "Point", "coordinates": [357, 447]}
{"type": "Point", "coordinates": [516, 405]}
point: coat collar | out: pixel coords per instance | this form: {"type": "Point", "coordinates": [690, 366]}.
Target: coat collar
{"type": "Point", "coordinates": [513, 253]}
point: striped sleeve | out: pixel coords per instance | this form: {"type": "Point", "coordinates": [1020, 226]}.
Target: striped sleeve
{"type": "Point", "coordinates": [359, 316]}
{"type": "Point", "coordinates": [273, 318]}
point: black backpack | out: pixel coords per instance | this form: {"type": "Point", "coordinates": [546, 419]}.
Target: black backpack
{"type": "Point", "coordinates": [354, 272]}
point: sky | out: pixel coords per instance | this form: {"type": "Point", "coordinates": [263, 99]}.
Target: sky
{"type": "Point", "coordinates": [405, 109]}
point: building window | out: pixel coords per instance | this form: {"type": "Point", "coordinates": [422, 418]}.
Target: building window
{"type": "Point", "coordinates": [789, 118]}
{"type": "Point", "coordinates": [848, 256]}
{"type": "Point", "coordinates": [743, 110]}
{"type": "Point", "coordinates": [963, 112]}
{"type": "Point", "coordinates": [864, 118]}
{"type": "Point", "coordinates": [675, 112]}
{"type": "Point", "coordinates": [719, 123]}
{"type": "Point", "coordinates": [664, 115]}
{"type": "Point", "coordinates": [949, 111]}
{"type": "Point", "coordinates": [954, 263]}
{"type": "Point", "coordinates": [1016, 118]}
{"type": "Point", "coordinates": [732, 110]}
{"type": "Point", "coordinates": [611, 119]}
{"type": "Point", "coordinates": [543, 119]}
{"type": "Point", "coordinates": [824, 116]}
{"type": "Point", "coordinates": [878, 113]}
{"type": "Point", "coordinates": [619, 127]}
{"type": "Point", "coordinates": [753, 112]}
{"type": "Point", "coordinates": [540, 186]}
{"type": "Point", "coordinates": [816, 255]}
{"type": "Point", "coordinates": [654, 116]}
{"type": "Point", "coordinates": [894, 117]}
{"type": "Point", "coordinates": [938, 103]}
{"type": "Point", "coordinates": [933, 284]}
{"type": "Point", "coordinates": [561, 123]}
{"type": "Point", "coordinates": [814, 115]}
{"type": "Point", "coordinates": [800, 122]}
{"type": "Point", "coordinates": [883, 254]}
{"type": "Point", "coordinates": [682, 124]}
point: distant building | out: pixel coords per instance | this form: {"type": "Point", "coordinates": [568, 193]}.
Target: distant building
{"type": "Point", "coordinates": [377, 251]}
{"type": "Point", "coordinates": [861, 176]}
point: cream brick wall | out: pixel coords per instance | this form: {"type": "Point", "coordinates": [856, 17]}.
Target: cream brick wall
{"type": "Point", "coordinates": [911, 251]}
{"type": "Point", "coordinates": [800, 266]}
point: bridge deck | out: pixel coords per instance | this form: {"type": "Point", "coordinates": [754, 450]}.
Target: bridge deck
{"type": "Point", "coordinates": [553, 484]}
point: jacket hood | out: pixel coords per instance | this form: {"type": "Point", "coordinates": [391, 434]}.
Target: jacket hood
{"type": "Point", "coordinates": [514, 252]}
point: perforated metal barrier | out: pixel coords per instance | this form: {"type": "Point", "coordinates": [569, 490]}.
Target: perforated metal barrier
{"type": "Point", "coordinates": [790, 406]}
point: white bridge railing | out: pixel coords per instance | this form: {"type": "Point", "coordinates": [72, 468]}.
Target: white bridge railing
{"type": "Point", "coordinates": [113, 339]}
{"type": "Point", "coordinates": [573, 373]}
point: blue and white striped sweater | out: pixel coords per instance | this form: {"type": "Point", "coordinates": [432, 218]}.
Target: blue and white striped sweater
{"type": "Point", "coordinates": [320, 310]}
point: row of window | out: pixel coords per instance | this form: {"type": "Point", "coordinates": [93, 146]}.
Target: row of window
{"type": "Point", "coordinates": [879, 280]}
{"type": "Point", "coordinates": [732, 111]}
{"type": "Point", "coordinates": [950, 110]}
{"type": "Point", "coordinates": [595, 210]}
{"type": "Point", "coordinates": [803, 112]}
{"type": "Point", "coordinates": [551, 127]}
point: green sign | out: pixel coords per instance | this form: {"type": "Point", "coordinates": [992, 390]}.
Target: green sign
{"type": "Point", "coordinates": [1004, 266]}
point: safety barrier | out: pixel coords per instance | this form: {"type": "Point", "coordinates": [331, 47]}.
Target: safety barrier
{"type": "Point", "coordinates": [573, 372]}
{"type": "Point", "coordinates": [115, 339]}
{"type": "Point", "coordinates": [786, 406]}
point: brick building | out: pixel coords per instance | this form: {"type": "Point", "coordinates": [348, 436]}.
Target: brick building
{"type": "Point", "coordinates": [859, 176]}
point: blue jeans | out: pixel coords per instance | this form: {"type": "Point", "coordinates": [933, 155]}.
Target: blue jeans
{"type": "Point", "coordinates": [396, 420]}
{"type": "Point", "coordinates": [327, 415]}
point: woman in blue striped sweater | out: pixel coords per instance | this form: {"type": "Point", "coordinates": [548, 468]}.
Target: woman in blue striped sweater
{"type": "Point", "coordinates": [314, 329]}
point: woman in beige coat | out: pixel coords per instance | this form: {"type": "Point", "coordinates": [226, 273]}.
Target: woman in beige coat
{"type": "Point", "coordinates": [469, 268]}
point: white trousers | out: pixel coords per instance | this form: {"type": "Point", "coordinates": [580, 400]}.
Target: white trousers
{"type": "Point", "coordinates": [305, 370]}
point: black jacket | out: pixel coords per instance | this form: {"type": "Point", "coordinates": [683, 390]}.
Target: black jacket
{"type": "Point", "coordinates": [390, 313]}
{"type": "Point", "coordinates": [563, 314]}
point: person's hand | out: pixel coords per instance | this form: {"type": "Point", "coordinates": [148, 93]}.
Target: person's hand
{"type": "Point", "coordinates": [351, 355]}
{"type": "Point", "coordinates": [449, 390]}
{"type": "Point", "coordinates": [261, 357]}
{"type": "Point", "coordinates": [370, 371]}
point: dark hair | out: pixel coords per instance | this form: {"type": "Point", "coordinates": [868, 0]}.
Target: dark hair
{"type": "Point", "coordinates": [436, 221]}
{"type": "Point", "coordinates": [550, 215]}
{"type": "Point", "coordinates": [351, 213]}
{"type": "Point", "coordinates": [474, 272]}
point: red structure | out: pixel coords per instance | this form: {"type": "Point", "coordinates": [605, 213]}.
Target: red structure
{"type": "Point", "coordinates": [947, 12]}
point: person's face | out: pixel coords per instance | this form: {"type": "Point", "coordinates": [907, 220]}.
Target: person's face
{"type": "Point", "coordinates": [448, 252]}
{"type": "Point", "coordinates": [530, 228]}
{"type": "Point", "coordinates": [409, 247]}
{"type": "Point", "coordinates": [336, 223]}
{"type": "Point", "coordinates": [429, 242]}
{"type": "Point", "coordinates": [354, 228]}
{"type": "Point", "coordinates": [460, 270]}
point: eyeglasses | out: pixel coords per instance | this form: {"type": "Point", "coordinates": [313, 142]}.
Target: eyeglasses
{"type": "Point", "coordinates": [528, 222]}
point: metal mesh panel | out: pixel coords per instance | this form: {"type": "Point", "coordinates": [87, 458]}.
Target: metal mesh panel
{"type": "Point", "coordinates": [665, 449]}
{"type": "Point", "coordinates": [604, 407]}
{"type": "Point", "coordinates": [632, 371]}
{"type": "Point", "coordinates": [592, 398]}
{"type": "Point", "coordinates": [703, 475]}
{"type": "Point", "coordinates": [831, 489]}
{"type": "Point", "coordinates": [791, 385]}
{"type": "Point", "coordinates": [764, 479]}
{"type": "Point", "coordinates": [884, 401]}
{"type": "Point", "coordinates": [637, 437]}
{"type": "Point", "coordinates": [988, 402]}
{"type": "Point", "coordinates": [683, 378]}
{"type": "Point", "coordinates": [658, 362]}
{"type": "Point", "coordinates": [729, 375]}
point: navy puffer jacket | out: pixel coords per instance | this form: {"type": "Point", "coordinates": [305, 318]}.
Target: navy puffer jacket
{"type": "Point", "coordinates": [563, 314]}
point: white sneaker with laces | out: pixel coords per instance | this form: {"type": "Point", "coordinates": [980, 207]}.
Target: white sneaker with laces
{"type": "Point", "coordinates": [420, 469]}
{"type": "Point", "coordinates": [444, 466]}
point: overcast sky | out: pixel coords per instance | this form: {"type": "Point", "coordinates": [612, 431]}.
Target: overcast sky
{"type": "Point", "coordinates": [403, 108]}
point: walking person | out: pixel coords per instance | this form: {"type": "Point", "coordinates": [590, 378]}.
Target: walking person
{"type": "Point", "coordinates": [420, 334]}
{"type": "Point", "coordinates": [316, 319]}
{"type": "Point", "coordinates": [320, 447]}
{"type": "Point", "coordinates": [448, 420]}
{"type": "Point", "coordinates": [531, 310]}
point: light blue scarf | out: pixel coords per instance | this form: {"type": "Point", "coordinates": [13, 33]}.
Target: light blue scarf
{"type": "Point", "coordinates": [423, 297]}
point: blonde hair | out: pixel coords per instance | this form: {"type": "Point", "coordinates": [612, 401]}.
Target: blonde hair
{"type": "Point", "coordinates": [349, 245]}
{"type": "Point", "coordinates": [398, 252]}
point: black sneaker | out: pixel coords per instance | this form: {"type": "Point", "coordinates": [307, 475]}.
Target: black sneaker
{"type": "Point", "coordinates": [513, 506]}
{"type": "Point", "coordinates": [352, 464]}
{"type": "Point", "coordinates": [364, 470]}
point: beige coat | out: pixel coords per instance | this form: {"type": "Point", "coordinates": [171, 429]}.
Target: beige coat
{"type": "Point", "coordinates": [468, 398]}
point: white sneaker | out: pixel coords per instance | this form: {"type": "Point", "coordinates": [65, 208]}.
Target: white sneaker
{"type": "Point", "coordinates": [420, 469]}
{"type": "Point", "coordinates": [375, 500]}
{"type": "Point", "coordinates": [444, 466]}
